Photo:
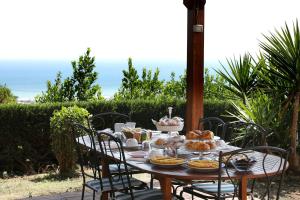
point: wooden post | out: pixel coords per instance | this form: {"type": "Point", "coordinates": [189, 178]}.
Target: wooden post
{"type": "Point", "coordinates": [195, 64]}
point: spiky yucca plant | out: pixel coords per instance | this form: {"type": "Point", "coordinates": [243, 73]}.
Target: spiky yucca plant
{"type": "Point", "coordinates": [241, 76]}
{"type": "Point", "coordinates": [282, 76]}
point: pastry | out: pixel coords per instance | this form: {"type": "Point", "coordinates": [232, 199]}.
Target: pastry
{"type": "Point", "coordinates": [197, 146]}
{"type": "Point", "coordinates": [160, 141]}
{"type": "Point", "coordinates": [207, 135]}
{"type": "Point", "coordinates": [200, 135]}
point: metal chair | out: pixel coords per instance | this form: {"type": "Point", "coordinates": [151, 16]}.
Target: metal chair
{"type": "Point", "coordinates": [246, 134]}
{"type": "Point", "coordinates": [107, 120]}
{"type": "Point", "coordinates": [112, 150]}
{"type": "Point", "coordinates": [89, 155]}
{"type": "Point", "coordinates": [214, 124]}
{"type": "Point", "coordinates": [265, 161]}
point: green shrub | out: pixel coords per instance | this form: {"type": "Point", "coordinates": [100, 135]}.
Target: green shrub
{"type": "Point", "coordinates": [61, 138]}
{"type": "Point", "coordinates": [6, 96]}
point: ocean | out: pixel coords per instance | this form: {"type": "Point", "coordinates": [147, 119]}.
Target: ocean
{"type": "Point", "coordinates": [27, 78]}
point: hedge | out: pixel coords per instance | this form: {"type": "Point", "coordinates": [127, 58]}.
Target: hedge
{"type": "Point", "coordinates": [24, 129]}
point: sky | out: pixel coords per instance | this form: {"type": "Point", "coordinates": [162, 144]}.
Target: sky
{"type": "Point", "coordinates": [142, 29]}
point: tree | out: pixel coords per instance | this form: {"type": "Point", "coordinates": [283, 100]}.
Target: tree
{"type": "Point", "coordinates": [130, 83]}
{"type": "Point", "coordinates": [150, 86]}
{"type": "Point", "coordinates": [80, 86]}
{"type": "Point", "coordinates": [282, 75]}
{"type": "Point", "coordinates": [84, 77]}
{"type": "Point", "coordinates": [242, 77]}
{"type": "Point", "coordinates": [175, 88]}
{"type": "Point", "coordinates": [6, 96]}
{"type": "Point", "coordinates": [54, 91]}
{"type": "Point", "coordinates": [214, 86]}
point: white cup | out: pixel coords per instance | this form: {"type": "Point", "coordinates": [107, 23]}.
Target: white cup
{"type": "Point", "coordinates": [118, 127]}
{"type": "Point", "coordinates": [130, 124]}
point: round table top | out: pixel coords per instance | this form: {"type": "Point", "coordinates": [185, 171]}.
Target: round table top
{"type": "Point", "coordinates": [272, 164]}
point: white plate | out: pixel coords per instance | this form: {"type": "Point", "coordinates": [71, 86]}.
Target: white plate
{"type": "Point", "coordinates": [166, 165]}
{"type": "Point", "coordinates": [138, 154]}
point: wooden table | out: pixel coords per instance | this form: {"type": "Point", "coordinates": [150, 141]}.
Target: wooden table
{"type": "Point", "coordinates": [165, 176]}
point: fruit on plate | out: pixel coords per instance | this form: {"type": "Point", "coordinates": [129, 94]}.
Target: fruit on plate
{"type": "Point", "coordinates": [201, 135]}
{"type": "Point", "coordinates": [203, 164]}
{"type": "Point", "coordinates": [166, 160]}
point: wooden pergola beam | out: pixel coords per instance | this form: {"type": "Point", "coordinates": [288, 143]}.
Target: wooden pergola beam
{"type": "Point", "coordinates": [195, 63]}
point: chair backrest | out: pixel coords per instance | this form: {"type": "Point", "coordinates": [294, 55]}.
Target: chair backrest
{"type": "Point", "coordinates": [112, 151]}
{"type": "Point", "coordinates": [270, 162]}
{"type": "Point", "coordinates": [214, 124]}
{"type": "Point", "coordinates": [245, 134]}
{"type": "Point", "coordinates": [107, 120]}
{"type": "Point", "coordinates": [86, 150]}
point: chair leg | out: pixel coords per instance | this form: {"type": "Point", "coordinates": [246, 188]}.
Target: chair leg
{"type": "Point", "coordinates": [82, 193]}
{"type": "Point", "coordinates": [151, 182]}
{"type": "Point", "coordinates": [94, 194]}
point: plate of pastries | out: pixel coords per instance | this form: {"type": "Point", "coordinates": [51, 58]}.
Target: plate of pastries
{"type": "Point", "coordinates": [194, 145]}
{"type": "Point", "coordinates": [172, 142]}
{"type": "Point", "coordinates": [203, 165]}
{"type": "Point", "coordinates": [200, 135]}
{"type": "Point", "coordinates": [166, 161]}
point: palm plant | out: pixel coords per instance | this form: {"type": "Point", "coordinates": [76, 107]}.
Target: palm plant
{"type": "Point", "coordinates": [282, 75]}
{"type": "Point", "coordinates": [242, 76]}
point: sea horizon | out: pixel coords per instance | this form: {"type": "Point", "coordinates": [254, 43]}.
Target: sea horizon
{"type": "Point", "coordinates": [28, 78]}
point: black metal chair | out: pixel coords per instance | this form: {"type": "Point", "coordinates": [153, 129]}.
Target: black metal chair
{"type": "Point", "coordinates": [89, 158]}
{"type": "Point", "coordinates": [214, 124]}
{"type": "Point", "coordinates": [107, 120]}
{"type": "Point", "coordinates": [112, 150]}
{"type": "Point", "coordinates": [265, 161]}
{"type": "Point", "coordinates": [246, 134]}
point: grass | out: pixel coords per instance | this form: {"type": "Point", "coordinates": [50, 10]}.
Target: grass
{"type": "Point", "coordinates": [43, 184]}
{"type": "Point", "coordinates": [49, 184]}
{"type": "Point", "coordinates": [36, 185]}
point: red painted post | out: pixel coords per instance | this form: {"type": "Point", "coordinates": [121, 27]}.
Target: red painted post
{"type": "Point", "coordinates": [195, 64]}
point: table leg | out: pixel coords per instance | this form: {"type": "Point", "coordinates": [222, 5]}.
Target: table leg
{"type": "Point", "coordinates": [166, 186]}
{"type": "Point", "coordinates": [105, 173]}
{"type": "Point", "coordinates": [243, 188]}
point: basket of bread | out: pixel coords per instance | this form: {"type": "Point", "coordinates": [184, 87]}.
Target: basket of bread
{"type": "Point", "coordinates": [169, 124]}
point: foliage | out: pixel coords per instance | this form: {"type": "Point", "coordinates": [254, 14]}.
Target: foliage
{"type": "Point", "coordinates": [130, 83]}
{"type": "Point", "coordinates": [175, 88]}
{"type": "Point", "coordinates": [62, 142]}
{"type": "Point", "coordinates": [80, 86]}
{"type": "Point", "coordinates": [263, 110]}
{"type": "Point", "coordinates": [214, 87]}
{"type": "Point", "coordinates": [241, 76]}
{"type": "Point", "coordinates": [6, 95]}
{"type": "Point", "coordinates": [151, 86]}
{"type": "Point", "coordinates": [282, 75]}
{"type": "Point", "coordinates": [27, 127]}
